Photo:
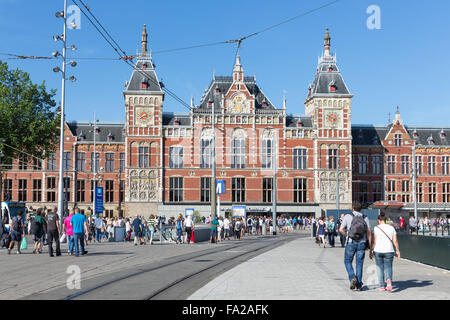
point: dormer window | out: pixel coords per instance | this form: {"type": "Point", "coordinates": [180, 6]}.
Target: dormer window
{"type": "Point", "coordinates": [300, 124]}
{"type": "Point", "coordinates": [81, 136]}
{"type": "Point", "coordinates": [144, 85]}
{"type": "Point", "coordinates": [210, 102]}
{"type": "Point", "coordinates": [176, 123]}
{"type": "Point", "coordinates": [415, 134]}
{"type": "Point", "coordinates": [110, 137]}
{"type": "Point", "coordinates": [430, 140]}
{"type": "Point", "coordinates": [442, 134]}
{"type": "Point", "coordinates": [332, 86]}
{"type": "Point", "coordinates": [144, 66]}
{"type": "Point", "coordinates": [264, 103]}
{"type": "Point", "coordinates": [330, 68]}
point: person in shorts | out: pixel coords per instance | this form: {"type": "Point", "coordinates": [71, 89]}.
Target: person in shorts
{"type": "Point", "coordinates": [214, 225]}
{"type": "Point", "coordinates": [16, 231]}
{"type": "Point", "coordinates": [38, 229]}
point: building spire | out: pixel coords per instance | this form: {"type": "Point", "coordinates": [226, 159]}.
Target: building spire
{"type": "Point", "coordinates": [284, 100]}
{"type": "Point", "coordinates": [327, 43]}
{"type": "Point", "coordinates": [238, 71]}
{"type": "Point", "coordinates": [144, 41]}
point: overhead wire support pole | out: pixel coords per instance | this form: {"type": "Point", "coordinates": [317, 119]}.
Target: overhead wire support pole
{"type": "Point", "coordinates": [213, 160]}
{"type": "Point", "coordinates": [274, 196]}
{"type": "Point", "coordinates": [61, 194]}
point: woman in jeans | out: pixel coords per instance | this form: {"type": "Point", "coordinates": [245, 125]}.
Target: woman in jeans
{"type": "Point", "coordinates": [179, 227]}
{"type": "Point", "coordinates": [384, 241]}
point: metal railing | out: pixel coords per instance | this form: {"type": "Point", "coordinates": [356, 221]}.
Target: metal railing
{"type": "Point", "coordinates": [438, 230]}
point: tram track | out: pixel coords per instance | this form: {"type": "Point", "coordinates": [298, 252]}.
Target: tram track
{"type": "Point", "coordinates": [151, 283]}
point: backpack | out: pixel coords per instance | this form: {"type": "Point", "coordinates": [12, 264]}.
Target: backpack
{"type": "Point", "coordinates": [358, 227]}
{"type": "Point", "coordinates": [16, 225]}
{"type": "Point", "coordinates": [35, 227]}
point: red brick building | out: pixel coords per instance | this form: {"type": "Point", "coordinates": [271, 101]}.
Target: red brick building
{"type": "Point", "coordinates": [158, 162]}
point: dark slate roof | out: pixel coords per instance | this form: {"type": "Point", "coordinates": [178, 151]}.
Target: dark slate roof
{"type": "Point", "coordinates": [82, 130]}
{"type": "Point", "coordinates": [224, 84]}
{"type": "Point", "coordinates": [169, 119]}
{"type": "Point", "coordinates": [371, 135]}
{"type": "Point", "coordinates": [368, 135]}
{"type": "Point", "coordinates": [430, 136]}
{"type": "Point", "coordinates": [147, 75]}
{"type": "Point", "coordinates": [293, 120]}
{"type": "Point", "coordinates": [324, 78]}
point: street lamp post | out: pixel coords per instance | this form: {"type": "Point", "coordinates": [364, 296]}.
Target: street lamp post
{"type": "Point", "coordinates": [414, 177]}
{"type": "Point", "coordinates": [274, 193]}
{"type": "Point", "coordinates": [63, 38]}
{"type": "Point", "coordinates": [94, 161]}
{"type": "Point", "coordinates": [213, 173]}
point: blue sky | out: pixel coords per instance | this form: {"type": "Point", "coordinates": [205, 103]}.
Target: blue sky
{"type": "Point", "coordinates": [403, 63]}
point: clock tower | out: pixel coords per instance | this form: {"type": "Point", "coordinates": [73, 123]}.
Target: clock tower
{"type": "Point", "coordinates": [329, 106]}
{"type": "Point", "coordinates": [143, 135]}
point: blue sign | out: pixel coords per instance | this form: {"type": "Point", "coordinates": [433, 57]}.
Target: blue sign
{"type": "Point", "coordinates": [220, 186]}
{"type": "Point", "coordinates": [189, 212]}
{"type": "Point", "coordinates": [239, 211]}
{"type": "Point", "coordinates": [98, 200]}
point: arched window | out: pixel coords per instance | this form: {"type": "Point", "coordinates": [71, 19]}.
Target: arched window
{"type": "Point", "coordinates": [267, 149]}
{"type": "Point", "coordinates": [238, 149]}
{"type": "Point", "coordinates": [206, 149]}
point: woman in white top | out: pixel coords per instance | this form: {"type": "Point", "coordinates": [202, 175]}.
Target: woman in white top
{"type": "Point", "coordinates": [384, 247]}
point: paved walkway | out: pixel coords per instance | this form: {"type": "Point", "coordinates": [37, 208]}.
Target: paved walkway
{"type": "Point", "coordinates": [300, 270]}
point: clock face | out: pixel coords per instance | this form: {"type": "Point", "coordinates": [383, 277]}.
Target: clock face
{"type": "Point", "coordinates": [238, 105]}
{"type": "Point", "coordinates": [333, 118]}
{"type": "Point", "coordinates": [144, 116]}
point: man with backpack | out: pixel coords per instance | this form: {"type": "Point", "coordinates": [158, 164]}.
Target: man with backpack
{"type": "Point", "coordinates": [38, 229]}
{"type": "Point", "coordinates": [16, 231]}
{"type": "Point", "coordinates": [356, 228]}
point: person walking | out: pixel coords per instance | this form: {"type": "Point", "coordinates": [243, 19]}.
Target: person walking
{"type": "Point", "coordinates": [99, 228]}
{"type": "Point", "coordinates": [137, 228]}
{"type": "Point", "coordinates": [189, 228]}
{"type": "Point", "coordinates": [356, 228]}
{"type": "Point", "coordinates": [80, 230]}
{"type": "Point", "coordinates": [38, 229]}
{"type": "Point", "coordinates": [402, 224]}
{"type": "Point", "coordinates": [214, 223]}
{"type": "Point", "coordinates": [237, 228]}
{"type": "Point", "coordinates": [226, 228]}
{"type": "Point", "coordinates": [128, 230]}
{"type": "Point", "coordinates": [384, 247]}
{"type": "Point", "coordinates": [152, 227]}
{"type": "Point", "coordinates": [179, 226]}
{"type": "Point", "coordinates": [53, 231]}
{"type": "Point", "coordinates": [321, 230]}
{"type": "Point", "coordinates": [331, 227]}
{"type": "Point", "coordinates": [68, 231]}
{"type": "Point", "coordinates": [16, 231]}
{"type": "Point", "coordinates": [338, 227]}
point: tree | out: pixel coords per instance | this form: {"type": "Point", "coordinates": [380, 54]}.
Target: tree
{"type": "Point", "coordinates": [29, 120]}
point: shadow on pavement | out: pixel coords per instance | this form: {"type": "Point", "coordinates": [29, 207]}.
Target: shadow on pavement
{"type": "Point", "coordinates": [403, 285]}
